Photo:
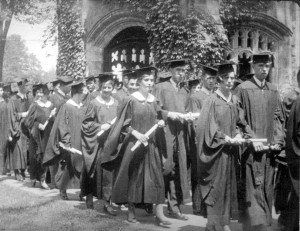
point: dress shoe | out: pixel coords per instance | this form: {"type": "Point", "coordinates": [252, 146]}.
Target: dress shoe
{"type": "Point", "coordinates": [33, 183]}
{"type": "Point", "coordinates": [109, 210]}
{"type": "Point", "coordinates": [162, 223]}
{"type": "Point", "coordinates": [89, 201]}
{"type": "Point", "coordinates": [149, 208]}
{"type": "Point", "coordinates": [178, 216]}
{"type": "Point", "coordinates": [63, 195]}
{"type": "Point", "coordinates": [44, 185]}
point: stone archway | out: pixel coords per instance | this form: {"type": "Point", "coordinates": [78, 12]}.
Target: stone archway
{"type": "Point", "coordinates": [262, 33]}
{"type": "Point", "coordinates": [103, 31]}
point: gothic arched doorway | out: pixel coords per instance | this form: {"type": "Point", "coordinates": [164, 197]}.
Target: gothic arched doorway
{"type": "Point", "coordinates": [127, 50]}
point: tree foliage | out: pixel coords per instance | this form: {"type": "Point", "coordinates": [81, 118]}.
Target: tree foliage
{"type": "Point", "coordinates": [18, 62]}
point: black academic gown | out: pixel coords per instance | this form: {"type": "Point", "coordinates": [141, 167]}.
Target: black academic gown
{"type": "Point", "coordinates": [195, 105]}
{"type": "Point", "coordinates": [138, 175]}
{"type": "Point", "coordinates": [7, 129]}
{"type": "Point", "coordinates": [172, 137]}
{"type": "Point", "coordinates": [19, 146]}
{"type": "Point", "coordinates": [264, 114]}
{"type": "Point", "coordinates": [38, 139]}
{"type": "Point", "coordinates": [58, 99]}
{"type": "Point", "coordinates": [291, 212]}
{"type": "Point", "coordinates": [94, 179]}
{"type": "Point", "coordinates": [67, 130]}
{"type": "Point", "coordinates": [216, 160]}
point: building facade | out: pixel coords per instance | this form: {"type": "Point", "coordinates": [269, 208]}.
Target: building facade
{"type": "Point", "coordinates": [116, 39]}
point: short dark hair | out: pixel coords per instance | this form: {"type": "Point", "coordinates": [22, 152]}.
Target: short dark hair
{"type": "Point", "coordinates": [77, 89]}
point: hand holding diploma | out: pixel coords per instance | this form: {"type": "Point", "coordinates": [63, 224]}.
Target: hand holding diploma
{"type": "Point", "coordinates": [106, 126]}
{"type": "Point", "coordinates": [70, 149]}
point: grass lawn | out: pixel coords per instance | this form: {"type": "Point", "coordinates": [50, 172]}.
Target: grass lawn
{"type": "Point", "coordinates": [22, 210]}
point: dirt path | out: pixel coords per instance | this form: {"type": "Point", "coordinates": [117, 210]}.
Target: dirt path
{"type": "Point", "coordinates": [110, 223]}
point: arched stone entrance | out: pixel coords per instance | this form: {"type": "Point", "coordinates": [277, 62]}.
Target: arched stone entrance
{"type": "Point", "coordinates": [104, 32]}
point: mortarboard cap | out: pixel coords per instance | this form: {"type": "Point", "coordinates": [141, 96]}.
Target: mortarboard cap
{"type": "Point", "coordinates": [104, 77]}
{"type": "Point", "coordinates": [90, 78]}
{"type": "Point", "coordinates": [65, 79]}
{"type": "Point", "coordinates": [207, 70]}
{"type": "Point", "coordinates": [145, 71]}
{"type": "Point", "coordinates": [225, 68]}
{"type": "Point", "coordinates": [130, 74]}
{"type": "Point", "coordinates": [263, 58]}
{"type": "Point", "coordinates": [176, 63]}
{"type": "Point", "coordinates": [54, 82]}
{"type": "Point", "coordinates": [76, 83]}
{"type": "Point", "coordinates": [22, 81]}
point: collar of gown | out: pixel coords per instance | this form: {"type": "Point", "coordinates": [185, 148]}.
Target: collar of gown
{"type": "Point", "coordinates": [259, 83]}
{"type": "Point", "coordinates": [174, 84]}
{"type": "Point", "coordinates": [205, 91]}
{"type": "Point", "coordinates": [141, 98]}
{"type": "Point", "coordinates": [41, 104]}
{"type": "Point", "coordinates": [100, 100]}
{"type": "Point", "coordinates": [219, 93]}
{"type": "Point", "coordinates": [72, 102]}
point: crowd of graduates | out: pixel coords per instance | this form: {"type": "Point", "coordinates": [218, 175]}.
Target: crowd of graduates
{"type": "Point", "coordinates": [153, 138]}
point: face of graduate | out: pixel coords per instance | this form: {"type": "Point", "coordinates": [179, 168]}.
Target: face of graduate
{"type": "Point", "coordinates": [195, 88]}
{"type": "Point", "coordinates": [177, 73]}
{"type": "Point", "coordinates": [125, 80]}
{"type": "Point", "coordinates": [65, 88]}
{"type": "Point", "coordinates": [261, 70]}
{"type": "Point", "coordinates": [228, 81]}
{"type": "Point", "coordinates": [106, 89]}
{"type": "Point", "coordinates": [22, 88]}
{"type": "Point", "coordinates": [209, 82]}
{"type": "Point", "coordinates": [91, 85]}
{"type": "Point", "coordinates": [132, 85]}
{"type": "Point", "coordinates": [147, 83]}
{"type": "Point", "coordinates": [39, 94]}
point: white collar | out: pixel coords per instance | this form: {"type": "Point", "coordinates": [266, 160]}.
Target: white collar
{"type": "Point", "coordinates": [140, 97]}
{"type": "Point", "coordinates": [41, 104]}
{"type": "Point", "coordinates": [72, 102]}
{"type": "Point", "coordinates": [101, 100]}
{"type": "Point", "coordinates": [61, 92]}
{"type": "Point", "coordinates": [174, 84]}
{"type": "Point", "coordinates": [205, 90]}
{"type": "Point", "coordinates": [259, 83]}
{"type": "Point", "coordinates": [219, 93]}
{"type": "Point", "coordinates": [22, 96]}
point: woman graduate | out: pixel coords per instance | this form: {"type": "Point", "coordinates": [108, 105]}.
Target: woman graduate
{"type": "Point", "coordinates": [64, 144]}
{"type": "Point", "coordinates": [137, 173]}
{"type": "Point", "coordinates": [100, 113]}
{"type": "Point", "coordinates": [39, 122]}
{"type": "Point", "coordinates": [217, 136]}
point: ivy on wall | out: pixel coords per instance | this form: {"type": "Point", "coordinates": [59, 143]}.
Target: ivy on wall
{"type": "Point", "coordinates": [172, 35]}
{"type": "Point", "coordinates": [69, 33]}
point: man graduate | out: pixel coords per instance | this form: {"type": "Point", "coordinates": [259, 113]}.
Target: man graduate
{"type": "Point", "coordinates": [263, 112]}
{"type": "Point", "coordinates": [58, 98]}
{"type": "Point", "coordinates": [196, 100]}
{"type": "Point", "coordinates": [7, 123]}
{"type": "Point", "coordinates": [18, 146]}
{"type": "Point", "coordinates": [64, 144]}
{"type": "Point", "coordinates": [173, 101]}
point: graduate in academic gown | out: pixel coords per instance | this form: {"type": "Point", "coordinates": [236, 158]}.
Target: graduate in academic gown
{"type": "Point", "coordinates": [196, 100]}
{"type": "Point", "coordinates": [293, 161]}
{"type": "Point", "coordinates": [39, 122]}
{"type": "Point", "coordinates": [208, 81]}
{"type": "Point", "coordinates": [7, 123]}
{"type": "Point", "coordinates": [129, 85]}
{"type": "Point", "coordinates": [173, 101]}
{"type": "Point", "coordinates": [217, 139]}
{"type": "Point", "coordinates": [261, 103]}
{"type": "Point", "coordinates": [18, 147]}
{"type": "Point", "coordinates": [58, 98]}
{"type": "Point", "coordinates": [138, 174]}
{"type": "Point", "coordinates": [90, 82]}
{"type": "Point", "coordinates": [286, 198]}
{"type": "Point", "coordinates": [101, 111]}
{"type": "Point", "coordinates": [64, 144]}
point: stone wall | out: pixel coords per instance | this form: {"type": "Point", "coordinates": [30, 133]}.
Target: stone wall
{"type": "Point", "coordinates": [102, 22]}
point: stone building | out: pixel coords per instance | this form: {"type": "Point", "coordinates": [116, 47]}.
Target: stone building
{"type": "Point", "coordinates": [116, 39]}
